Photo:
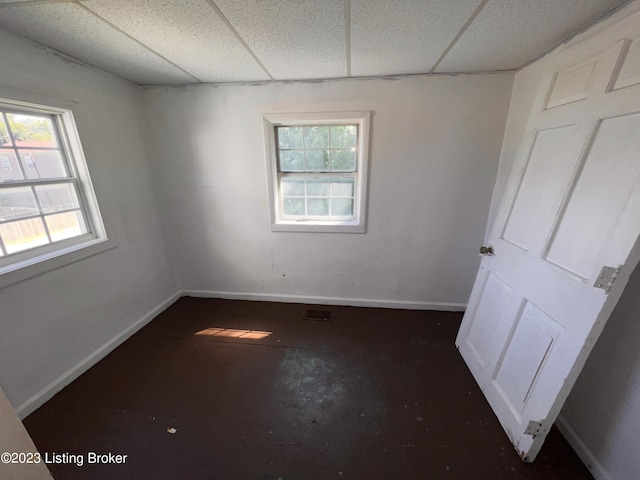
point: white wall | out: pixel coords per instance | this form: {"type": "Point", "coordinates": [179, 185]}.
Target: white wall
{"type": "Point", "coordinates": [52, 323]}
{"type": "Point", "coordinates": [603, 409]}
{"type": "Point", "coordinates": [601, 417]}
{"type": "Point", "coordinates": [434, 156]}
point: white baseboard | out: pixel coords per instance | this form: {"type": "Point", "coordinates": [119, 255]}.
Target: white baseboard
{"type": "Point", "coordinates": [66, 378]}
{"type": "Point", "coordinates": [597, 470]}
{"type": "Point", "coordinates": [353, 302]}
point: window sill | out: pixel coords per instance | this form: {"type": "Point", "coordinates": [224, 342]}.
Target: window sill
{"type": "Point", "coordinates": [320, 227]}
{"type": "Point", "coordinates": [32, 267]}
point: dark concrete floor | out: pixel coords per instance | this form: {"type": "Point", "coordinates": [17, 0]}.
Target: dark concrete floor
{"type": "Point", "coordinates": [371, 394]}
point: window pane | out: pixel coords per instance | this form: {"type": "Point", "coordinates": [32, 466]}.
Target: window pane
{"type": "Point", "coordinates": [17, 203]}
{"type": "Point", "coordinates": [289, 137]}
{"type": "Point", "coordinates": [343, 160]}
{"type": "Point", "coordinates": [65, 225]}
{"type": "Point", "coordinates": [57, 197]}
{"type": "Point", "coordinates": [344, 136]}
{"type": "Point", "coordinates": [318, 187]}
{"type": "Point", "coordinates": [342, 206]}
{"type": "Point", "coordinates": [292, 161]}
{"type": "Point", "coordinates": [31, 130]}
{"type": "Point", "coordinates": [9, 168]}
{"type": "Point", "coordinates": [293, 187]}
{"type": "Point", "coordinates": [42, 163]}
{"type": "Point", "coordinates": [22, 235]}
{"type": "Point", "coordinates": [4, 133]}
{"type": "Point", "coordinates": [318, 206]}
{"type": "Point", "coordinates": [293, 206]}
{"type": "Point", "coordinates": [342, 187]}
{"type": "Point", "coordinates": [316, 137]}
{"type": "Point", "coordinates": [317, 160]}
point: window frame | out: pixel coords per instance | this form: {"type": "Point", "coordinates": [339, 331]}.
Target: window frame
{"type": "Point", "coordinates": [19, 266]}
{"type": "Point", "coordinates": [357, 224]}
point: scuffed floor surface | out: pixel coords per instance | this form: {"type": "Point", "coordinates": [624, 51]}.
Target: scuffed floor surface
{"type": "Point", "coordinates": [255, 391]}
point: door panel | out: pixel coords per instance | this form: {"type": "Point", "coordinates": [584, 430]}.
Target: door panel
{"type": "Point", "coordinates": [494, 298]}
{"type": "Point", "coordinates": [594, 206]}
{"type": "Point", "coordinates": [629, 73]}
{"type": "Point", "coordinates": [571, 84]}
{"type": "Point", "coordinates": [525, 355]}
{"type": "Point", "coordinates": [551, 150]}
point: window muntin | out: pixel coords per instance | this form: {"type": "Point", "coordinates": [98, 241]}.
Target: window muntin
{"type": "Point", "coordinates": [43, 208]}
{"type": "Point", "coordinates": [317, 165]}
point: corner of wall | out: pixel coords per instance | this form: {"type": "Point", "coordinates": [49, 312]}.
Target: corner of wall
{"type": "Point", "coordinates": [581, 449]}
{"type": "Point", "coordinates": [40, 398]}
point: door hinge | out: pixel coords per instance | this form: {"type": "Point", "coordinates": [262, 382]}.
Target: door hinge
{"type": "Point", "coordinates": [607, 278]}
{"type": "Point", "coordinates": [535, 428]}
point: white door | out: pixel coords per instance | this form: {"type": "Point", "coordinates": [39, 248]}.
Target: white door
{"type": "Point", "coordinates": [572, 207]}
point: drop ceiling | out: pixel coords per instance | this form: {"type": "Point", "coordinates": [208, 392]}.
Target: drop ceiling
{"type": "Point", "coordinates": [219, 41]}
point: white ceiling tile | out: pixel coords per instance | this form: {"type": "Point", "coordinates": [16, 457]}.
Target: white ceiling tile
{"type": "Point", "coordinates": [72, 30]}
{"type": "Point", "coordinates": [407, 36]}
{"type": "Point", "coordinates": [186, 41]}
{"type": "Point", "coordinates": [507, 34]}
{"type": "Point", "coordinates": [294, 39]}
{"type": "Point", "coordinates": [189, 33]}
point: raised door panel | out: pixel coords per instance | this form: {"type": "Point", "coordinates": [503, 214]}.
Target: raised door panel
{"type": "Point", "coordinates": [548, 168]}
{"type": "Point", "coordinates": [629, 73]}
{"type": "Point", "coordinates": [571, 84]}
{"type": "Point", "coordinates": [524, 356]}
{"type": "Point", "coordinates": [486, 317]}
{"type": "Point", "coordinates": [599, 195]}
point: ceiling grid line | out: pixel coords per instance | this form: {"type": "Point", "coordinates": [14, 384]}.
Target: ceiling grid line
{"type": "Point", "coordinates": [347, 34]}
{"type": "Point", "coordinates": [222, 16]}
{"type": "Point", "coordinates": [34, 3]}
{"type": "Point", "coordinates": [146, 47]}
{"type": "Point", "coordinates": [459, 35]}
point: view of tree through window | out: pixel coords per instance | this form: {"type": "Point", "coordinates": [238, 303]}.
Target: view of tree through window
{"type": "Point", "coordinates": [26, 128]}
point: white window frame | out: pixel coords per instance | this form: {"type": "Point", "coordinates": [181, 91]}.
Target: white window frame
{"type": "Point", "coordinates": [357, 224]}
{"type": "Point", "coordinates": [19, 266]}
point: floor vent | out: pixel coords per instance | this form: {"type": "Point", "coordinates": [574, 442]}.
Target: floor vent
{"type": "Point", "coordinates": [318, 315]}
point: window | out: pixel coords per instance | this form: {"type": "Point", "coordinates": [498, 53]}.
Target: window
{"type": "Point", "coordinates": [47, 204]}
{"type": "Point", "coordinates": [317, 166]}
